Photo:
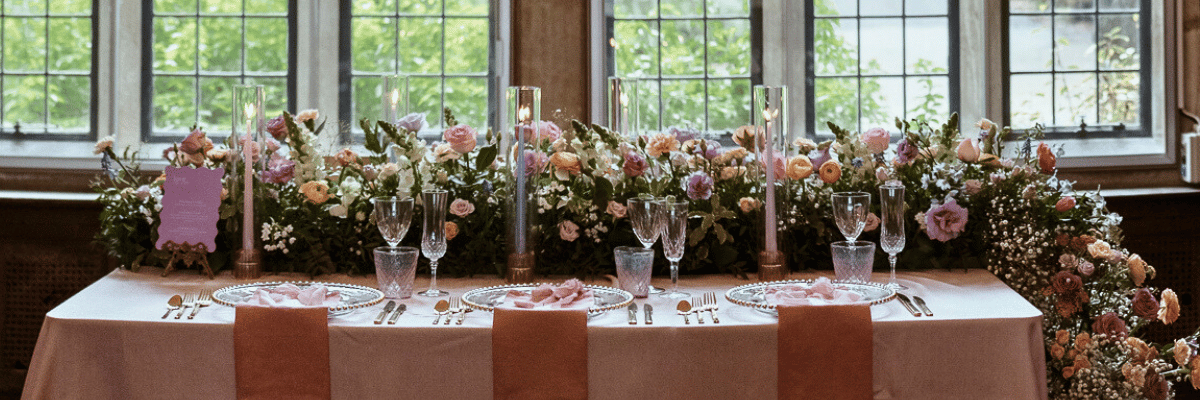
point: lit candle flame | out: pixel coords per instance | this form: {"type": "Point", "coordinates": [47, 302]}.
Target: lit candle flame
{"type": "Point", "coordinates": [249, 111]}
{"type": "Point", "coordinates": [523, 114]}
{"type": "Point", "coordinates": [395, 97]}
{"type": "Point", "coordinates": [770, 114]}
{"type": "Point", "coordinates": [624, 99]}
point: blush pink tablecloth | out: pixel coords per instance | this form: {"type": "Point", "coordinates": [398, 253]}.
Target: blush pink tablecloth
{"type": "Point", "coordinates": [107, 342]}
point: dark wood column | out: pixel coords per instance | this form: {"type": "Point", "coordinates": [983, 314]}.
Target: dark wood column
{"type": "Point", "coordinates": [550, 51]}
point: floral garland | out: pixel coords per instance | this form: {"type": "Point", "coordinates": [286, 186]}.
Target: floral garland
{"type": "Point", "coordinates": [969, 207]}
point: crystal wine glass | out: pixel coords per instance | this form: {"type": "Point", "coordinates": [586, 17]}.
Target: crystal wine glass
{"type": "Point", "coordinates": [850, 212]}
{"type": "Point", "coordinates": [645, 226]}
{"type": "Point", "coordinates": [891, 238]}
{"type": "Point", "coordinates": [674, 235]}
{"type": "Point", "coordinates": [433, 235]}
{"type": "Point", "coordinates": [393, 215]}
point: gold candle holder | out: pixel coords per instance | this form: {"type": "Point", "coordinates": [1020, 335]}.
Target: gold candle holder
{"type": "Point", "coordinates": [520, 268]}
{"type": "Point", "coordinates": [771, 266]}
{"type": "Point", "coordinates": [247, 263]}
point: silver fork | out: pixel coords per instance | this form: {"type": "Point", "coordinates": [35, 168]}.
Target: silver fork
{"type": "Point", "coordinates": [710, 304]}
{"type": "Point", "coordinates": [188, 301]}
{"type": "Point", "coordinates": [697, 309]}
{"type": "Point", "coordinates": [455, 307]}
{"type": "Point", "coordinates": [205, 300]}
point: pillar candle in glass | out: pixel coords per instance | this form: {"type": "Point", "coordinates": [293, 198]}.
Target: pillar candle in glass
{"type": "Point", "coordinates": [623, 106]}
{"type": "Point", "coordinates": [524, 107]}
{"type": "Point", "coordinates": [769, 108]}
{"type": "Point", "coordinates": [394, 104]}
{"type": "Point", "coordinates": [248, 128]}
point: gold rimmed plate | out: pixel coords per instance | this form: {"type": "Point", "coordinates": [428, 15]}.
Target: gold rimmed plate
{"type": "Point", "coordinates": [754, 295]}
{"type": "Point", "coordinates": [352, 296]}
{"type": "Point", "coordinates": [605, 298]}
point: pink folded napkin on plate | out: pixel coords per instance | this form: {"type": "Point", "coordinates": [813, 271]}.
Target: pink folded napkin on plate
{"type": "Point", "coordinates": [539, 354]}
{"type": "Point", "coordinates": [821, 292]}
{"type": "Point", "coordinates": [825, 352]}
{"type": "Point", "coordinates": [281, 353]}
{"type": "Point", "coordinates": [289, 295]}
{"type": "Point", "coordinates": [571, 295]}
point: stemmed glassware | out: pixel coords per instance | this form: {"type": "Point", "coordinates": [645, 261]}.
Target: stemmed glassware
{"type": "Point", "coordinates": [850, 212]}
{"type": "Point", "coordinates": [646, 225]}
{"type": "Point", "coordinates": [433, 235]}
{"type": "Point", "coordinates": [891, 239]}
{"type": "Point", "coordinates": [674, 235]}
{"type": "Point", "coordinates": [393, 215]}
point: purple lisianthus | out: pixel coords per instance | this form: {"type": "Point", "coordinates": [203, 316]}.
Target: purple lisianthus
{"type": "Point", "coordinates": [945, 222]}
{"type": "Point", "coordinates": [699, 186]}
{"type": "Point", "coordinates": [277, 128]}
{"type": "Point", "coordinates": [635, 164]}
{"type": "Point", "coordinates": [710, 150]}
{"type": "Point", "coordinates": [906, 152]}
{"type": "Point", "coordinates": [411, 122]}
{"type": "Point", "coordinates": [280, 170]}
{"type": "Point", "coordinates": [683, 134]}
{"type": "Point", "coordinates": [819, 157]}
{"type": "Point", "coordinates": [534, 162]}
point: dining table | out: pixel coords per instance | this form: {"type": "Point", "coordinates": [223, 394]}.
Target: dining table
{"type": "Point", "coordinates": [983, 341]}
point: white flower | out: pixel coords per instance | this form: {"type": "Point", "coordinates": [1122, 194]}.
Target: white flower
{"type": "Point", "coordinates": [104, 144]}
{"type": "Point", "coordinates": [338, 211]}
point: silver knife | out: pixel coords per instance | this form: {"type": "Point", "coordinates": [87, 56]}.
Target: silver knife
{"type": "Point", "coordinates": [921, 303]}
{"type": "Point", "coordinates": [391, 305]}
{"type": "Point", "coordinates": [649, 313]}
{"type": "Point", "coordinates": [399, 310]}
{"type": "Point", "coordinates": [632, 314]}
{"type": "Point", "coordinates": [908, 304]}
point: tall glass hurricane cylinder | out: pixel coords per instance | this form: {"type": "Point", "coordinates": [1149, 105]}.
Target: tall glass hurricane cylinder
{"type": "Point", "coordinates": [248, 125]}
{"type": "Point", "coordinates": [623, 106]}
{"type": "Point", "coordinates": [524, 107]}
{"type": "Point", "coordinates": [770, 119]}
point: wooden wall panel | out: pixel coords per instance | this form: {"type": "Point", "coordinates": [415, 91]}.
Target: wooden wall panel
{"type": "Point", "coordinates": [550, 51]}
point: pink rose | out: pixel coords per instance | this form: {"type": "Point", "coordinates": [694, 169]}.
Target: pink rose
{"type": "Point", "coordinates": [881, 174]}
{"type": "Point", "coordinates": [635, 165]}
{"type": "Point", "coordinates": [972, 186]}
{"type": "Point", "coordinates": [461, 138]}
{"type": "Point", "coordinates": [534, 162]}
{"type": "Point", "coordinates": [253, 147]}
{"type": "Point", "coordinates": [461, 208]}
{"type": "Point", "coordinates": [568, 231]}
{"type": "Point", "coordinates": [1064, 204]}
{"type": "Point", "coordinates": [616, 209]}
{"type": "Point", "coordinates": [876, 139]}
{"type": "Point", "coordinates": [277, 127]}
{"type": "Point", "coordinates": [945, 222]}
{"type": "Point", "coordinates": [548, 131]}
{"type": "Point", "coordinates": [1086, 268]}
{"type": "Point", "coordinates": [195, 142]}
{"type": "Point", "coordinates": [1110, 324]}
{"type": "Point", "coordinates": [272, 145]}
{"type": "Point", "coordinates": [967, 151]}
{"type": "Point", "coordinates": [1144, 304]}
{"type": "Point", "coordinates": [872, 222]}
{"type": "Point", "coordinates": [451, 230]}
{"type": "Point", "coordinates": [280, 170]}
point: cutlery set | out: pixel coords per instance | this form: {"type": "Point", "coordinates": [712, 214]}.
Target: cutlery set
{"type": "Point", "coordinates": [450, 309]}
{"type": "Point", "coordinates": [190, 300]}
{"type": "Point", "coordinates": [916, 309]}
{"type": "Point", "coordinates": [707, 303]}
{"type": "Point", "coordinates": [391, 305]}
{"type": "Point", "coordinates": [648, 316]}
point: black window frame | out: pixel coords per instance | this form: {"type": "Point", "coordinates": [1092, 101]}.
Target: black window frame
{"type": "Point", "coordinates": [94, 106]}
{"type": "Point", "coordinates": [952, 70]}
{"type": "Point", "coordinates": [147, 93]}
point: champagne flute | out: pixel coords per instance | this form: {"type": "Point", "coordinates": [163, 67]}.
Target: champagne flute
{"type": "Point", "coordinates": [393, 215]}
{"type": "Point", "coordinates": [891, 239]}
{"type": "Point", "coordinates": [850, 213]}
{"type": "Point", "coordinates": [674, 234]}
{"type": "Point", "coordinates": [645, 226]}
{"type": "Point", "coordinates": [433, 235]}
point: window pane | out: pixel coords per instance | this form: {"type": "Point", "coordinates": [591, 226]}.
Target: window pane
{"type": "Point", "coordinates": [928, 98]}
{"type": "Point", "coordinates": [25, 101]}
{"type": "Point", "coordinates": [467, 7]}
{"type": "Point", "coordinates": [68, 7]}
{"type": "Point", "coordinates": [25, 7]}
{"type": "Point", "coordinates": [268, 7]}
{"type": "Point", "coordinates": [835, 7]}
{"type": "Point", "coordinates": [425, 96]}
{"type": "Point", "coordinates": [729, 47]}
{"type": "Point", "coordinates": [275, 100]}
{"type": "Point", "coordinates": [1029, 43]}
{"type": "Point", "coordinates": [1031, 104]}
{"type": "Point", "coordinates": [648, 105]}
{"type": "Point", "coordinates": [1074, 5]}
{"type": "Point", "coordinates": [367, 104]}
{"type": "Point", "coordinates": [66, 94]}
{"type": "Point", "coordinates": [1029, 6]}
{"type": "Point", "coordinates": [222, 38]}
{"type": "Point", "coordinates": [466, 45]}
{"type": "Point", "coordinates": [927, 45]}
{"type": "Point", "coordinates": [24, 44]}
{"type": "Point", "coordinates": [727, 107]}
{"type": "Point", "coordinates": [683, 47]}
{"type": "Point", "coordinates": [269, 51]}
{"type": "Point", "coordinates": [683, 104]}
{"type": "Point", "coordinates": [373, 7]}
{"type": "Point", "coordinates": [635, 8]}
{"type": "Point", "coordinates": [925, 7]}
{"type": "Point", "coordinates": [374, 44]}
{"type": "Point", "coordinates": [880, 109]}
{"type": "Point", "coordinates": [174, 103]}
{"type": "Point", "coordinates": [682, 8]}
{"type": "Point", "coordinates": [70, 44]}
{"type": "Point", "coordinates": [421, 45]}
{"type": "Point", "coordinates": [1119, 94]}
{"type": "Point", "coordinates": [216, 97]}
{"type": "Point", "coordinates": [883, 53]}
{"type": "Point", "coordinates": [220, 7]}
{"type": "Point", "coordinates": [175, 6]}
{"type": "Point", "coordinates": [422, 7]}
{"type": "Point", "coordinates": [467, 98]}
{"type": "Point", "coordinates": [174, 44]}
{"type": "Point", "coordinates": [880, 7]}
{"type": "Point", "coordinates": [1118, 42]}
{"type": "Point", "coordinates": [1118, 5]}
{"type": "Point", "coordinates": [636, 53]}
{"type": "Point", "coordinates": [1074, 42]}
{"type": "Point", "coordinates": [835, 50]}
{"type": "Point", "coordinates": [722, 8]}
{"type": "Point", "coordinates": [838, 98]}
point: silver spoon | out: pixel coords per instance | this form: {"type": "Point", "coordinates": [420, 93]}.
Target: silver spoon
{"type": "Point", "coordinates": [440, 309]}
{"type": "Point", "coordinates": [174, 303]}
{"type": "Point", "coordinates": [684, 309]}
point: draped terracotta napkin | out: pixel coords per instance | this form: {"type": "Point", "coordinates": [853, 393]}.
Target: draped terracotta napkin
{"type": "Point", "coordinates": [825, 352]}
{"type": "Point", "coordinates": [281, 353]}
{"type": "Point", "coordinates": [539, 354]}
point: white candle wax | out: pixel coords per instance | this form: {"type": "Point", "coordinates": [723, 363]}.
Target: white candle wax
{"type": "Point", "coordinates": [770, 244]}
{"type": "Point", "coordinates": [519, 192]}
{"type": "Point", "coordinates": [247, 195]}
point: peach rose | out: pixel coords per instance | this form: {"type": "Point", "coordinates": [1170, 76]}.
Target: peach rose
{"type": "Point", "coordinates": [316, 192]}
{"type": "Point", "coordinates": [1100, 249]}
{"type": "Point", "coordinates": [872, 222]}
{"type": "Point", "coordinates": [1068, 372]}
{"type": "Point", "coordinates": [799, 167]}
{"type": "Point", "coordinates": [616, 209]}
{"type": "Point", "coordinates": [444, 152]}
{"type": "Point", "coordinates": [1137, 268]}
{"type": "Point", "coordinates": [103, 145]}
{"type": "Point", "coordinates": [1057, 351]}
{"type": "Point", "coordinates": [1195, 375]}
{"type": "Point", "coordinates": [1062, 336]}
{"type": "Point", "coordinates": [1065, 204]}
{"type": "Point", "coordinates": [1083, 340]}
{"type": "Point", "coordinates": [967, 151]}
{"type": "Point", "coordinates": [1169, 310]}
{"type": "Point", "coordinates": [831, 171]}
{"type": "Point", "coordinates": [876, 139]}
{"type": "Point", "coordinates": [218, 154]}
{"type": "Point", "coordinates": [451, 230]}
{"type": "Point", "coordinates": [732, 172]}
{"type": "Point", "coordinates": [1046, 158]}
{"type": "Point", "coordinates": [306, 115]}
{"type": "Point", "coordinates": [567, 162]}
{"type": "Point", "coordinates": [1182, 352]}
{"type": "Point", "coordinates": [461, 208]}
{"type": "Point", "coordinates": [661, 143]}
{"type": "Point", "coordinates": [461, 138]}
{"type": "Point", "coordinates": [748, 204]}
{"type": "Point", "coordinates": [346, 157]}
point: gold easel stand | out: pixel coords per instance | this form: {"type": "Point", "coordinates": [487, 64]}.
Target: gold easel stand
{"type": "Point", "coordinates": [247, 263]}
{"type": "Point", "coordinates": [188, 254]}
{"type": "Point", "coordinates": [771, 266]}
{"type": "Point", "coordinates": [520, 268]}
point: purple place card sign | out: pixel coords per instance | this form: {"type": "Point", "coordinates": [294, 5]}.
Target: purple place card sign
{"type": "Point", "coordinates": [191, 206]}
